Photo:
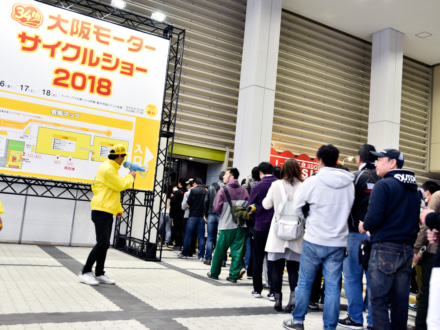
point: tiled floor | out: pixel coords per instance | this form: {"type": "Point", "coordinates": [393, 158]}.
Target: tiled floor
{"type": "Point", "coordinates": [39, 289]}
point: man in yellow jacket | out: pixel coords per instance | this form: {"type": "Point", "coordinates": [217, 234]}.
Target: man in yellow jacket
{"type": "Point", "coordinates": [106, 203]}
{"type": "Point", "coordinates": [1, 212]}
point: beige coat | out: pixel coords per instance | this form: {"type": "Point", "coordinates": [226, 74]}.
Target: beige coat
{"type": "Point", "coordinates": [273, 199]}
{"type": "Point", "coordinates": [422, 238]}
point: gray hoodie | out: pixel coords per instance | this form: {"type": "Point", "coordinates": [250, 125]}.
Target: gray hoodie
{"type": "Point", "coordinates": [330, 194]}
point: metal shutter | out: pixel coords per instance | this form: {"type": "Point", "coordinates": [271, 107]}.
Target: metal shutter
{"type": "Point", "coordinates": [322, 92]}
{"type": "Point", "coordinates": [209, 85]}
{"type": "Point", "coordinates": [415, 118]}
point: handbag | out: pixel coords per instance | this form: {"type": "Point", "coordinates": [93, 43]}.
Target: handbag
{"type": "Point", "coordinates": [288, 225]}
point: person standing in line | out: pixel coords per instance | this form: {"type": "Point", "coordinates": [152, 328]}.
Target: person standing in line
{"type": "Point", "coordinates": [393, 222]}
{"type": "Point", "coordinates": [432, 221]}
{"type": "Point", "coordinates": [230, 235]}
{"type": "Point", "coordinates": [364, 181]}
{"type": "Point", "coordinates": [213, 218]}
{"type": "Point", "coordinates": [329, 195]}
{"type": "Point", "coordinates": [176, 213]}
{"type": "Point", "coordinates": [248, 255]}
{"type": "Point", "coordinates": [430, 189]}
{"type": "Point", "coordinates": [196, 222]}
{"type": "Point", "coordinates": [185, 208]}
{"type": "Point", "coordinates": [280, 252]}
{"type": "Point", "coordinates": [105, 203]}
{"type": "Point", "coordinates": [263, 219]}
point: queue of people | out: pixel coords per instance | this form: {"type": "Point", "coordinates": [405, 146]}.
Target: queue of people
{"type": "Point", "coordinates": [378, 206]}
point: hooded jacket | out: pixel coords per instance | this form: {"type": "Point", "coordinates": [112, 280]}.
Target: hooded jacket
{"type": "Point", "coordinates": [107, 188]}
{"type": "Point", "coordinates": [394, 209]}
{"type": "Point", "coordinates": [330, 195]}
{"type": "Point", "coordinates": [239, 197]}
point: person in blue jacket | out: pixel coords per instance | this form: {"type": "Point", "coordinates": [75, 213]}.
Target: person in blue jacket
{"type": "Point", "coordinates": [393, 222]}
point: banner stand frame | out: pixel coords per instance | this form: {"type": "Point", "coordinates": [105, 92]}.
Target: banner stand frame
{"type": "Point", "coordinates": [148, 247]}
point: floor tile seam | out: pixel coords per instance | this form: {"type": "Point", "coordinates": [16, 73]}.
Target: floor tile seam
{"type": "Point", "coordinates": [117, 295]}
{"type": "Point", "coordinates": [133, 268]}
{"type": "Point", "coordinates": [141, 316]}
{"type": "Point", "coordinates": [30, 265]}
{"type": "Point", "coordinates": [203, 278]}
{"type": "Point", "coordinates": [115, 291]}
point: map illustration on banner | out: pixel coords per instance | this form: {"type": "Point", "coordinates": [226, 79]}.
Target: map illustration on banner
{"type": "Point", "coordinates": [71, 87]}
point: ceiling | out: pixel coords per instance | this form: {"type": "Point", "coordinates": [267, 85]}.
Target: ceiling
{"type": "Point", "coordinates": [362, 18]}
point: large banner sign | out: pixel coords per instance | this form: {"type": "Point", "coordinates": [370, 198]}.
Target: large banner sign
{"type": "Point", "coordinates": [306, 164]}
{"type": "Point", "coordinates": [71, 87]}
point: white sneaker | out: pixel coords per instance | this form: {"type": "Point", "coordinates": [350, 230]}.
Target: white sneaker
{"type": "Point", "coordinates": [104, 279]}
{"type": "Point", "coordinates": [88, 278]}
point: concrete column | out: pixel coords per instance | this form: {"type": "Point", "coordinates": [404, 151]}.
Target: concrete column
{"type": "Point", "coordinates": [434, 149]}
{"type": "Point", "coordinates": [385, 89]}
{"type": "Point", "coordinates": [257, 84]}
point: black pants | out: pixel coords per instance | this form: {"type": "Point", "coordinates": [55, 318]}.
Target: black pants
{"type": "Point", "coordinates": [177, 230]}
{"type": "Point", "coordinates": [192, 248]}
{"type": "Point", "coordinates": [103, 226]}
{"type": "Point", "coordinates": [260, 238]}
{"type": "Point", "coordinates": [426, 263]}
{"type": "Point", "coordinates": [277, 274]}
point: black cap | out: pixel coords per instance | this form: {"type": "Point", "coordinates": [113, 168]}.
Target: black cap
{"type": "Point", "coordinates": [391, 154]}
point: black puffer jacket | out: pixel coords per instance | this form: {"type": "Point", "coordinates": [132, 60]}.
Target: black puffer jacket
{"type": "Point", "coordinates": [364, 181]}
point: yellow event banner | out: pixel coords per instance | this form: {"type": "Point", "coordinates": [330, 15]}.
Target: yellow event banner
{"type": "Point", "coordinates": [71, 87]}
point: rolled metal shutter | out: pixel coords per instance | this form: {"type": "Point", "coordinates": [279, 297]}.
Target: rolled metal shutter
{"type": "Point", "coordinates": [415, 118]}
{"type": "Point", "coordinates": [322, 92]}
{"type": "Point", "coordinates": [210, 79]}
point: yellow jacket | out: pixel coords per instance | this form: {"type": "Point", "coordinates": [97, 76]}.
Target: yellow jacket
{"type": "Point", "coordinates": [107, 188]}
{"type": "Point", "coordinates": [1, 208]}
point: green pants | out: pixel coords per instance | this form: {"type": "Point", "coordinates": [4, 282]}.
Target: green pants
{"type": "Point", "coordinates": [235, 239]}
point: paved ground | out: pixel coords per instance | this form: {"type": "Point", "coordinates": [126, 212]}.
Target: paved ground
{"type": "Point", "coordinates": [39, 289]}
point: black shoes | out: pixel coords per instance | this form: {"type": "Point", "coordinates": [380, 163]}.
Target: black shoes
{"type": "Point", "coordinates": [231, 280]}
{"type": "Point", "coordinates": [212, 277]}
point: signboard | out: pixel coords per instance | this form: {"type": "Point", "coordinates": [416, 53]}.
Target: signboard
{"type": "Point", "coordinates": [71, 87]}
{"type": "Point", "coordinates": [306, 164]}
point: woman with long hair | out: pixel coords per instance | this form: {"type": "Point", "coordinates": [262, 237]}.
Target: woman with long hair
{"type": "Point", "coordinates": [280, 252]}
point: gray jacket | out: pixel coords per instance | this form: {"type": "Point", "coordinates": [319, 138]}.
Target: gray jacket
{"type": "Point", "coordinates": [209, 198]}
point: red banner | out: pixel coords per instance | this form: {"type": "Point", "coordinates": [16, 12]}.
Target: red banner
{"type": "Point", "coordinates": [307, 165]}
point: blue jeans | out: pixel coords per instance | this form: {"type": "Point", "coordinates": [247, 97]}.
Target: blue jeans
{"type": "Point", "coordinates": [248, 259]}
{"type": "Point", "coordinates": [389, 271]}
{"type": "Point", "coordinates": [193, 224]}
{"type": "Point", "coordinates": [212, 234]}
{"type": "Point", "coordinates": [353, 274]}
{"type": "Point", "coordinates": [311, 257]}
{"type": "Point", "coordinates": [166, 221]}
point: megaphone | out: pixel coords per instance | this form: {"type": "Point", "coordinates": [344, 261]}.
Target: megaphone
{"type": "Point", "coordinates": [142, 170]}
